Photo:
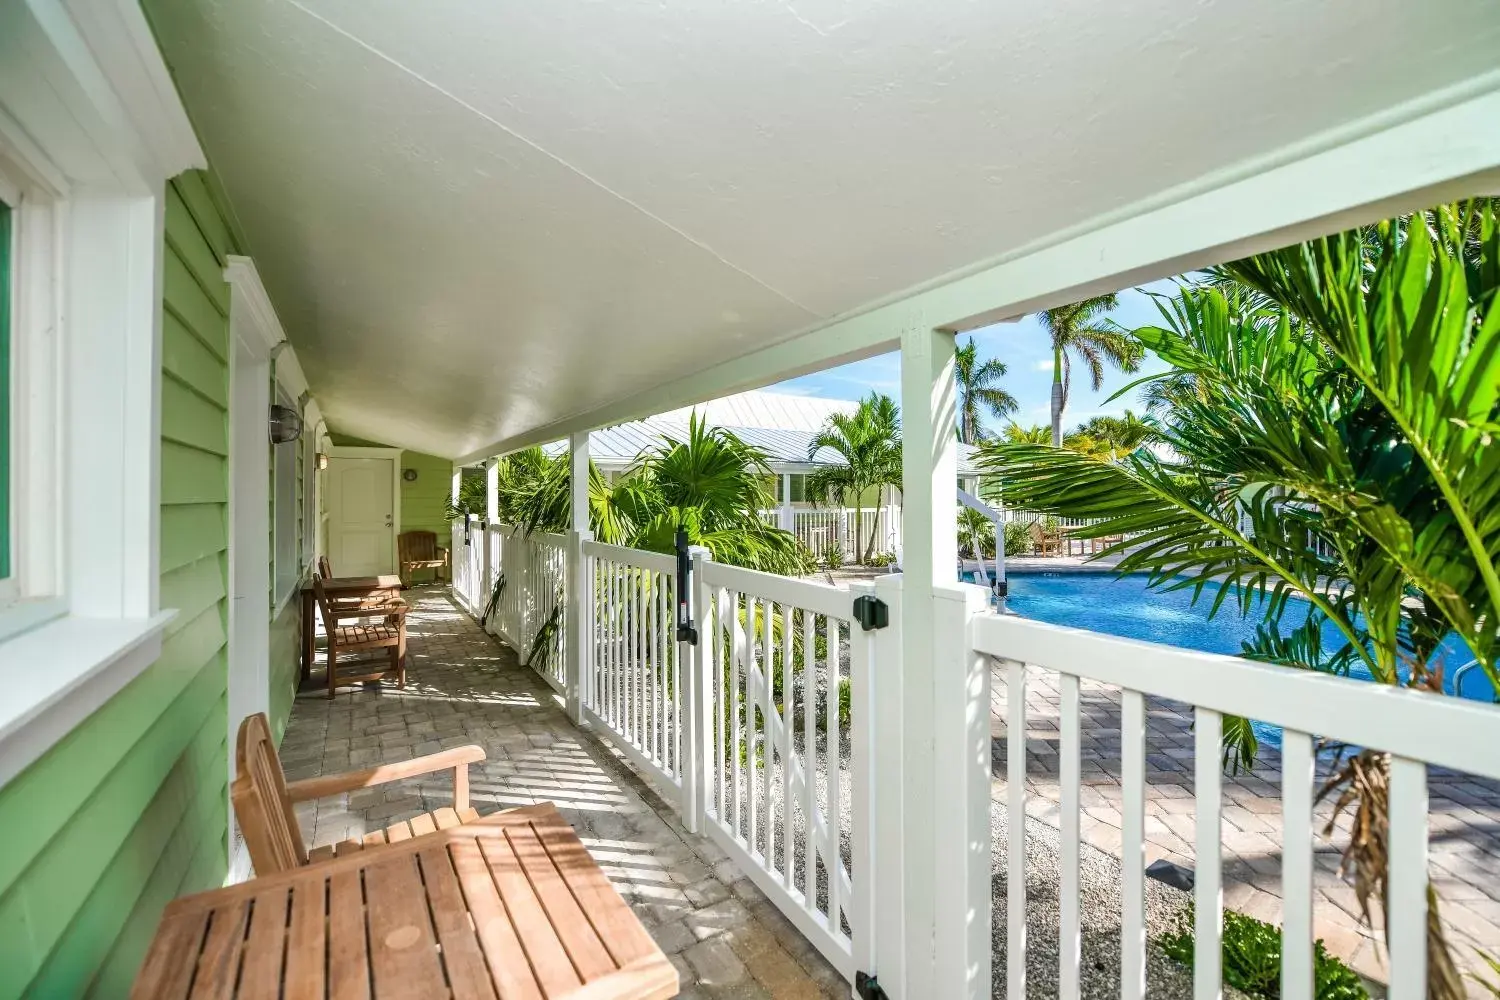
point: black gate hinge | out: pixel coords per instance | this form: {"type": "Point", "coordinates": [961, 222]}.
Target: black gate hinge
{"type": "Point", "coordinates": [872, 613]}
{"type": "Point", "coordinates": [866, 985]}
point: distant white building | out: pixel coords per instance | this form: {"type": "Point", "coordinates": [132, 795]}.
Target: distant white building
{"type": "Point", "coordinates": [783, 426]}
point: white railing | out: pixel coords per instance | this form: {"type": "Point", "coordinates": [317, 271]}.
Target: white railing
{"type": "Point", "coordinates": [821, 528]}
{"type": "Point", "coordinates": [632, 684]}
{"type": "Point", "coordinates": [786, 780]}
{"type": "Point", "coordinates": [529, 611]}
{"type": "Point", "coordinates": [468, 564]}
{"type": "Point", "coordinates": [1416, 728]}
{"type": "Point", "coordinates": [743, 731]}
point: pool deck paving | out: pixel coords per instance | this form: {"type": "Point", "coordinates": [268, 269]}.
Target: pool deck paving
{"type": "Point", "coordinates": [1464, 817]}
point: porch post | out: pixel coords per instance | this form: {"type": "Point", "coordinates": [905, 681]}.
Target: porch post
{"type": "Point", "coordinates": [788, 518]}
{"type": "Point", "coordinates": [579, 604]}
{"type": "Point", "coordinates": [929, 477]}
{"type": "Point", "coordinates": [457, 557]}
{"type": "Point", "coordinates": [695, 667]}
{"type": "Point", "coordinates": [486, 553]}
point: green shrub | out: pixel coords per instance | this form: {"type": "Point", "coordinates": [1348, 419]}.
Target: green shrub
{"type": "Point", "coordinates": [882, 559]}
{"type": "Point", "coordinates": [833, 555]}
{"type": "Point", "coordinates": [1252, 959]}
{"type": "Point", "coordinates": [1017, 539]}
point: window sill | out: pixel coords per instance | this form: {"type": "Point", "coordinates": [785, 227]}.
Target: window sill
{"type": "Point", "coordinates": [56, 676]}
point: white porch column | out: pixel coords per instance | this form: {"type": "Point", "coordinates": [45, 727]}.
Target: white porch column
{"type": "Point", "coordinates": [788, 518]}
{"type": "Point", "coordinates": [486, 550]}
{"type": "Point", "coordinates": [929, 695]}
{"type": "Point", "coordinates": [579, 600]}
{"type": "Point", "coordinates": [457, 557]}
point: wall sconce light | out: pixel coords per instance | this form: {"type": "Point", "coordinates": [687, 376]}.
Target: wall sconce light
{"type": "Point", "coordinates": [322, 461]}
{"type": "Point", "coordinates": [286, 424]}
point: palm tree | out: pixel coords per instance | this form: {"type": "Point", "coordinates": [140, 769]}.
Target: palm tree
{"type": "Point", "coordinates": [979, 389]}
{"type": "Point", "coordinates": [710, 483]}
{"type": "Point", "coordinates": [869, 440]}
{"type": "Point", "coordinates": [1318, 411]}
{"type": "Point", "coordinates": [1082, 330]}
{"type": "Point", "coordinates": [1035, 434]}
{"type": "Point", "coordinates": [1118, 435]}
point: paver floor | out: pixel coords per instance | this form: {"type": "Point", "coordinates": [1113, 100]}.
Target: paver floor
{"type": "Point", "coordinates": [726, 939]}
{"type": "Point", "coordinates": [1464, 842]}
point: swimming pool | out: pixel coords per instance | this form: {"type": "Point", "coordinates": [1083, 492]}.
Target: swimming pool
{"type": "Point", "coordinates": [1123, 606]}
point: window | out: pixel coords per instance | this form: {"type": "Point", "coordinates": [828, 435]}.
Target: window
{"type": "Point", "coordinates": [286, 566]}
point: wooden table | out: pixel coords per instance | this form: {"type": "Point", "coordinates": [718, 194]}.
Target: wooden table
{"type": "Point", "coordinates": [339, 586]}
{"type": "Point", "coordinates": [507, 907]}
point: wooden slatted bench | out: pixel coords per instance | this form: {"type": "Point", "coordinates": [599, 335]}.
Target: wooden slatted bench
{"type": "Point", "coordinates": [509, 907]}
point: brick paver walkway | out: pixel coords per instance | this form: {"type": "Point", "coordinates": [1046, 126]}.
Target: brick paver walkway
{"type": "Point", "coordinates": [463, 686]}
{"type": "Point", "coordinates": [1464, 839]}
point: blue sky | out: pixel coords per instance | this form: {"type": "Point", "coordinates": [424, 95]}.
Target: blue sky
{"type": "Point", "coordinates": [1026, 351]}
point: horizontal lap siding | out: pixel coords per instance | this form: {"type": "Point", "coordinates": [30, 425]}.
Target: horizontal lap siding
{"type": "Point", "coordinates": [129, 809]}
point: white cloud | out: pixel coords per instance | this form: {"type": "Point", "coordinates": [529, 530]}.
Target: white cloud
{"type": "Point", "coordinates": [1044, 365]}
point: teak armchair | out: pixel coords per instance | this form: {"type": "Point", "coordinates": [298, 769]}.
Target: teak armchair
{"type": "Point", "coordinates": [263, 799]}
{"type": "Point", "coordinates": [419, 550]}
{"type": "Point", "coordinates": [388, 634]}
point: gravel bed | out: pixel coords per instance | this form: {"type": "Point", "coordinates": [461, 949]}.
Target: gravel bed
{"type": "Point", "coordinates": [1099, 878]}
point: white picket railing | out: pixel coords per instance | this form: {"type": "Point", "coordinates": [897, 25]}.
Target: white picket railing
{"type": "Point", "coordinates": [632, 684]}
{"type": "Point", "coordinates": [1416, 728]}
{"type": "Point", "coordinates": [786, 782]}
{"type": "Point", "coordinates": [530, 610]}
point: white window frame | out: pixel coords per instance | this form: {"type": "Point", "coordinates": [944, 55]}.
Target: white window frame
{"type": "Point", "coordinates": [90, 130]}
{"type": "Point", "coordinates": [285, 580]}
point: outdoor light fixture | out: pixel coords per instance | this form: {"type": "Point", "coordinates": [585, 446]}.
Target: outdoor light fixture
{"type": "Point", "coordinates": [322, 461]}
{"type": "Point", "coordinates": [286, 424]}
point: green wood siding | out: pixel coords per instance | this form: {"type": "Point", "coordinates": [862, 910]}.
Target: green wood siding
{"type": "Point", "coordinates": [422, 501]}
{"type": "Point", "coordinates": [129, 810]}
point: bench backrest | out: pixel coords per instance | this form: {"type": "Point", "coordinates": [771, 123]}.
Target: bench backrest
{"type": "Point", "coordinates": [261, 803]}
{"type": "Point", "coordinates": [417, 546]}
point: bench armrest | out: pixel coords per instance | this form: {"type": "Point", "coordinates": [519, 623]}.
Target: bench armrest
{"type": "Point", "coordinates": [458, 759]}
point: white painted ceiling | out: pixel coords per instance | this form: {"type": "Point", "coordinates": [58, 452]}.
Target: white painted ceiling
{"type": "Point", "coordinates": [476, 218]}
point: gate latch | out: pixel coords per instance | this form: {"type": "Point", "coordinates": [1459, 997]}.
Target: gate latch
{"type": "Point", "coordinates": [866, 985]}
{"type": "Point", "coordinates": [871, 612]}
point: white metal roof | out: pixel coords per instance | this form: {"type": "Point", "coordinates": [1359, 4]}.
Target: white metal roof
{"type": "Point", "coordinates": [614, 448]}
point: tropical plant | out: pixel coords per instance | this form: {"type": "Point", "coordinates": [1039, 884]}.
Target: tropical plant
{"type": "Point", "coordinates": [710, 483]}
{"type": "Point", "coordinates": [1035, 434]}
{"type": "Point", "coordinates": [1122, 434]}
{"type": "Point", "coordinates": [869, 442]}
{"type": "Point", "coordinates": [978, 391]}
{"type": "Point", "coordinates": [976, 533]}
{"type": "Point", "coordinates": [833, 555]}
{"type": "Point", "coordinates": [1083, 330]}
{"type": "Point", "coordinates": [1251, 959]}
{"type": "Point", "coordinates": [471, 499]}
{"type": "Point", "coordinates": [1336, 445]}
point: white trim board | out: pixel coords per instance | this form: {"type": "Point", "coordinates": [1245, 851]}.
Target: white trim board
{"type": "Point", "coordinates": [1444, 147]}
{"type": "Point", "coordinates": [88, 661]}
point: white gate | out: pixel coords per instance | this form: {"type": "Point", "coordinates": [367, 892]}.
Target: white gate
{"type": "Point", "coordinates": [784, 680]}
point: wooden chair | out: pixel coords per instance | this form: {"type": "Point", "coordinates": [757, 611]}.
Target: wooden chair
{"type": "Point", "coordinates": [419, 550]}
{"type": "Point", "coordinates": [1044, 542]}
{"type": "Point", "coordinates": [364, 636]}
{"type": "Point", "coordinates": [263, 799]}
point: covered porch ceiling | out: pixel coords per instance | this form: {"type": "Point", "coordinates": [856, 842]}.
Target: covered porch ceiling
{"type": "Point", "coordinates": [485, 223]}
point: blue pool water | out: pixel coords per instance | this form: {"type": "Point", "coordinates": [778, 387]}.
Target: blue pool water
{"type": "Point", "coordinates": [1123, 606]}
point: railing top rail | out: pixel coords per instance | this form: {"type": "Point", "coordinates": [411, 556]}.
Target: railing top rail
{"type": "Point", "coordinates": [1420, 725]}
{"type": "Point", "coordinates": [656, 562]}
{"type": "Point", "coordinates": [819, 598]}
{"type": "Point", "coordinates": [549, 538]}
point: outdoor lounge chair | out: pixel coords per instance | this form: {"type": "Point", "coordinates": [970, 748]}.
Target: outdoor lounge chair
{"type": "Point", "coordinates": [263, 799]}
{"type": "Point", "coordinates": [419, 550]}
{"type": "Point", "coordinates": [1044, 542]}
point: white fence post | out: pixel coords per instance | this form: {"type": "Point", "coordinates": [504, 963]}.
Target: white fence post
{"type": "Point", "coordinates": [577, 620]}
{"type": "Point", "coordinates": [886, 949]}
{"type": "Point", "coordinates": [694, 664]}
{"type": "Point", "coordinates": [961, 823]}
